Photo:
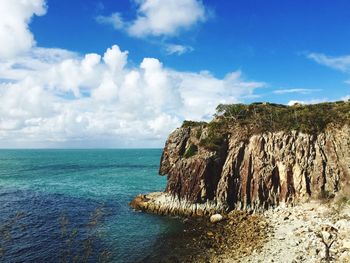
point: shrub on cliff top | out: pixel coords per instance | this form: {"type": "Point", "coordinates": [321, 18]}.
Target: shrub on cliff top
{"type": "Point", "coordinates": [269, 117]}
{"type": "Point", "coordinates": [186, 124]}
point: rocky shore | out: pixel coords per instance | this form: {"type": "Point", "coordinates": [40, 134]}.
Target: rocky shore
{"type": "Point", "coordinates": [257, 172]}
{"type": "Point", "coordinates": [274, 164]}
{"type": "Point", "coordinates": [162, 203]}
{"type": "Point", "coordinates": [301, 233]}
{"type": "Point", "coordinates": [202, 241]}
{"type": "Point", "coordinates": [284, 234]}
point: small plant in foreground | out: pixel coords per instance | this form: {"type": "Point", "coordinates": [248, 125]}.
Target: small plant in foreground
{"type": "Point", "coordinates": [328, 235]}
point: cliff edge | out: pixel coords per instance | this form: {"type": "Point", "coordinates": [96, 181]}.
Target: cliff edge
{"type": "Point", "coordinates": [253, 157]}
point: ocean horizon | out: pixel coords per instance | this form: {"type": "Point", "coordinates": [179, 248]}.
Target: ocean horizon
{"type": "Point", "coordinates": [65, 205]}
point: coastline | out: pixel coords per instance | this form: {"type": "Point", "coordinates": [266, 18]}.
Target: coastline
{"type": "Point", "coordinates": [261, 160]}
{"type": "Point", "coordinates": [288, 234]}
{"type": "Point", "coordinates": [201, 241]}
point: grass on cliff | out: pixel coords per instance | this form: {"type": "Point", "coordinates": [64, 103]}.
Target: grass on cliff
{"type": "Point", "coordinates": [270, 117]}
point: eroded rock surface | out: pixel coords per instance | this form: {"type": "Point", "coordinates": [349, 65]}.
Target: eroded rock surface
{"type": "Point", "coordinates": [258, 171]}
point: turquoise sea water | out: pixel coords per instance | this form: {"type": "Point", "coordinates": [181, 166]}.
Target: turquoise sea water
{"type": "Point", "coordinates": [72, 205]}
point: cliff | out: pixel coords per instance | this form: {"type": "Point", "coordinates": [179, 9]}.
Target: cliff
{"type": "Point", "coordinates": [252, 157]}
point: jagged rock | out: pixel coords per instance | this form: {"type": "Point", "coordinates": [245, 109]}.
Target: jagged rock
{"type": "Point", "coordinates": [166, 204]}
{"type": "Point", "coordinates": [258, 172]}
{"type": "Point", "coordinates": [262, 158]}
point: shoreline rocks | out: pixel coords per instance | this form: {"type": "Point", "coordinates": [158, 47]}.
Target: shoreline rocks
{"type": "Point", "coordinates": [202, 241]}
{"type": "Point", "coordinates": [300, 237]}
{"type": "Point", "coordinates": [216, 218]}
{"type": "Point", "coordinates": [288, 234]}
{"type": "Point", "coordinates": [215, 173]}
{"type": "Point", "coordinates": [162, 203]}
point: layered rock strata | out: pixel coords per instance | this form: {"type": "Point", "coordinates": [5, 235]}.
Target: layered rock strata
{"type": "Point", "coordinates": [249, 172]}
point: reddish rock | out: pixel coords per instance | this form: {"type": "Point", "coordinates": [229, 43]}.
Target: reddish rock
{"type": "Point", "coordinates": [258, 171]}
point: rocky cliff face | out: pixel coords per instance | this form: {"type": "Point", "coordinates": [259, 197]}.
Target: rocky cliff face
{"type": "Point", "coordinates": [258, 171]}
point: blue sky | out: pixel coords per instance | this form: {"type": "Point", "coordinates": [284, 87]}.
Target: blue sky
{"type": "Point", "coordinates": [125, 73]}
{"type": "Point", "coordinates": [267, 40]}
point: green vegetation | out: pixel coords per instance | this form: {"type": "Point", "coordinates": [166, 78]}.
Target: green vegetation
{"type": "Point", "coordinates": [186, 124]}
{"type": "Point", "coordinates": [269, 117]}
{"type": "Point", "coordinates": [216, 134]}
{"type": "Point", "coordinates": [191, 151]}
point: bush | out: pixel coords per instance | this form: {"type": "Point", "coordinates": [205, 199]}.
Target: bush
{"type": "Point", "coordinates": [186, 124]}
{"type": "Point", "coordinates": [268, 117]}
{"type": "Point", "coordinates": [212, 143]}
{"type": "Point", "coordinates": [216, 134]}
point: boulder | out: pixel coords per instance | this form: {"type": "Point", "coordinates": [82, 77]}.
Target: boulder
{"type": "Point", "coordinates": [216, 218]}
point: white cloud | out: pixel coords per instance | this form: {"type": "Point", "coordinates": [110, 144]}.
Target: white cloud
{"type": "Point", "coordinates": [115, 20]}
{"type": "Point", "coordinates": [315, 101]}
{"type": "Point", "coordinates": [166, 17]}
{"type": "Point", "coordinates": [14, 19]}
{"type": "Point", "coordinates": [73, 100]}
{"type": "Point", "coordinates": [341, 63]}
{"type": "Point", "coordinates": [201, 92]}
{"type": "Point", "coordinates": [58, 98]}
{"type": "Point", "coordinates": [159, 17]}
{"type": "Point", "coordinates": [312, 101]}
{"type": "Point", "coordinates": [300, 91]}
{"type": "Point", "coordinates": [177, 49]}
{"type": "Point", "coordinates": [115, 59]}
{"type": "Point", "coordinates": [346, 98]}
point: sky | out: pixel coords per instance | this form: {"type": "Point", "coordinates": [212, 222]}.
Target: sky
{"type": "Point", "coordinates": [125, 73]}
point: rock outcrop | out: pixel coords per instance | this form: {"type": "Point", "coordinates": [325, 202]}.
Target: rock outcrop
{"type": "Point", "coordinates": [254, 171]}
{"type": "Point", "coordinates": [262, 171]}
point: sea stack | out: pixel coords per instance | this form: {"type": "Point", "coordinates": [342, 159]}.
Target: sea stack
{"type": "Point", "coordinates": [254, 157]}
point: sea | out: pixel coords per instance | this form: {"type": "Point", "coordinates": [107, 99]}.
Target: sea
{"type": "Point", "coordinates": [72, 205]}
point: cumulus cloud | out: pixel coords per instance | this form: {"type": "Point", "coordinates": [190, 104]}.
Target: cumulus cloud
{"type": "Point", "coordinates": [60, 98]}
{"type": "Point", "coordinates": [14, 19]}
{"type": "Point", "coordinates": [159, 17]}
{"type": "Point", "coordinates": [166, 17]}
{"type": "Point", "coordinates": [341, 63]}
